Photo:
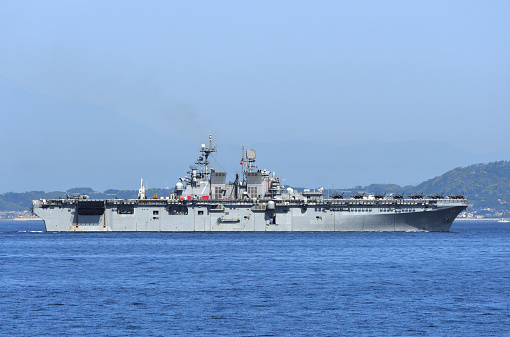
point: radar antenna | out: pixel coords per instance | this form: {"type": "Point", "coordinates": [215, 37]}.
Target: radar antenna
{"type": "Point", "coordinates": [250, 157]}
{"type": "Point", "coordinates": [248, 163]}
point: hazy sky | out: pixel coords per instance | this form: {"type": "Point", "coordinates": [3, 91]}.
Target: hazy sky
{"type": "Point", "coordinates": [327, 72]}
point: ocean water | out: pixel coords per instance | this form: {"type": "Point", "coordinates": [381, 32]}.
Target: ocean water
{"type": "Point", "coordinates": [255, 284]}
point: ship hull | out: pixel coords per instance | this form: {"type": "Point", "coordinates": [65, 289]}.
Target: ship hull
{"type": "Point", "coordinates": [164, 216]}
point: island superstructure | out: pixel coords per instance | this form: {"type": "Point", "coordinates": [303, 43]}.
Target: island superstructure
{"type": "Point", "coordinates": [255, 202]}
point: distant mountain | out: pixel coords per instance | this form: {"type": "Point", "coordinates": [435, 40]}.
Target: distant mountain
{"type": "Point", "coordinates": [485, 185]}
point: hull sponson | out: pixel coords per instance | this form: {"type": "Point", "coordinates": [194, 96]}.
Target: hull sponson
{"type": "Point", "coordinates": [64, 215]}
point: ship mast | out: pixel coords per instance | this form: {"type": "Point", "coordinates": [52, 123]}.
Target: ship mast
{"type": "Point", "coordinates": [248, 162]}
{"type": "Point", "coordinates": [204, 161]}
{"type": "Point", "coordinates": [205, 153]}
{"type": "Point", "coordinates": [242, 162]}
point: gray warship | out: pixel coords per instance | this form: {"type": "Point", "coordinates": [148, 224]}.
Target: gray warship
{"type": "Point", "coordinates": [254, 202]}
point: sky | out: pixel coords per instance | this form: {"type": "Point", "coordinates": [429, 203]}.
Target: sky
{"type": "Point", "coordinates": [114, 90]}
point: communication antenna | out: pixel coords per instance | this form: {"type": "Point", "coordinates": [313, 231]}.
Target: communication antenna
{"type": "Point", "coordinates": [242, 160]}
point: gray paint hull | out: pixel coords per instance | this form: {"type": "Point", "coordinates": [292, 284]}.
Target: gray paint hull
{"type": "Point", "coordinates": [210, 216]}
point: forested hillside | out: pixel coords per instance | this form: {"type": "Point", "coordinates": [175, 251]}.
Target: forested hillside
{"type": "Point", "coordinates": [485, 185]}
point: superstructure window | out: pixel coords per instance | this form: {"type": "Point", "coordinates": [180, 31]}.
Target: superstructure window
{"type": "Point", "coordinates": [217, 192]}
{"type": "Point", "coordinates": [155, 212]}
{"type": "Point", "coordinates": [252, 191]}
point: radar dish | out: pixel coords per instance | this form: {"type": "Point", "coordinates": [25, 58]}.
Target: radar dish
{"type": "Point", "coordinates": [250, 154]}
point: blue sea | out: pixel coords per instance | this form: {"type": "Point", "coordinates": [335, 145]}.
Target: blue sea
{"type": "Point", "coordinates": [255, 284]}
